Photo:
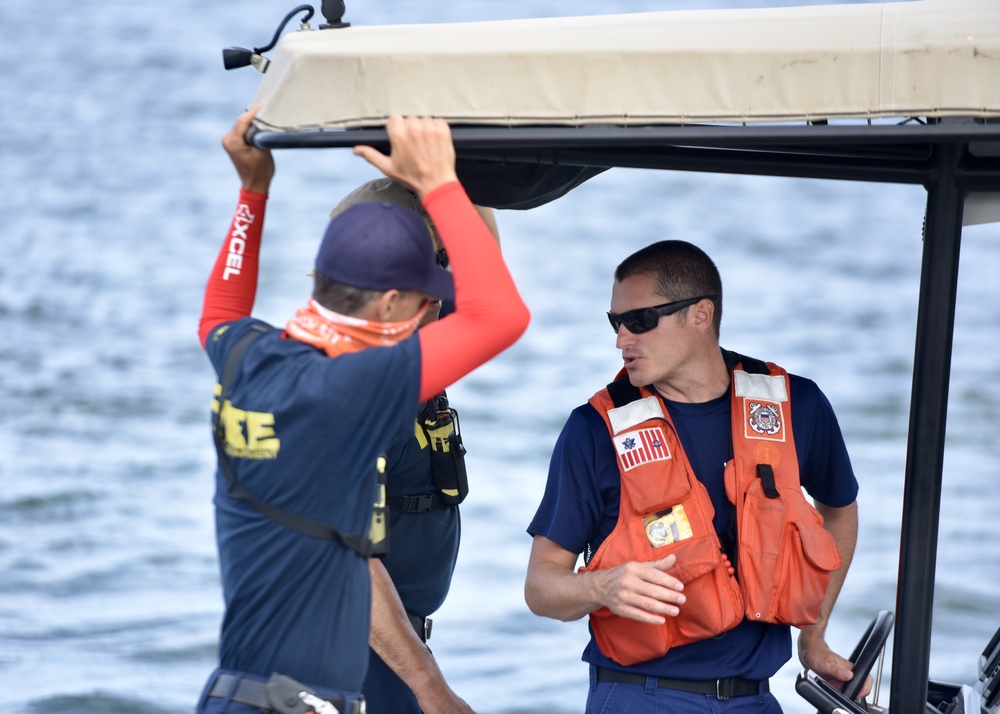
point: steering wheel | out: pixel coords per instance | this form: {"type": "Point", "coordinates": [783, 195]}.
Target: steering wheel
{"type": "Point", "coordinates": [864, 655]}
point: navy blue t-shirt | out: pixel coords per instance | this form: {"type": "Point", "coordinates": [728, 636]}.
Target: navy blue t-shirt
{"type": "Point", "coordinates": [423, 550]}
{"type": "Point", "coordinates": [423, 547]}
{"type": "Point", "coordinates": [311, 429]}
{"type": "Point", "coordinates": [581, 502]}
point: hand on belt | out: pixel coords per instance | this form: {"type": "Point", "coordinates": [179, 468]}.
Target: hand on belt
{"type": "Point", "coordinates": [721, 688]}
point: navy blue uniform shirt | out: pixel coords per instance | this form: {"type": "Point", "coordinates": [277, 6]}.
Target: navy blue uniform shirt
{"type": "Point", "coordinates": [313, 428]}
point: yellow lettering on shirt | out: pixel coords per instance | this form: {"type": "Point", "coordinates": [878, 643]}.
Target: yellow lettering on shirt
{"type": "Point", "coordinates": [248, 435]}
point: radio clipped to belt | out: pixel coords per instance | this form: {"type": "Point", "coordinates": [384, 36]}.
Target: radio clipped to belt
{"type": "Point", "coordinates": [440, 425]}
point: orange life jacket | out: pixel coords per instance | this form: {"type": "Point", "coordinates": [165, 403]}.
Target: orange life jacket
{"type": "Point", "coordinates": [784, 555]}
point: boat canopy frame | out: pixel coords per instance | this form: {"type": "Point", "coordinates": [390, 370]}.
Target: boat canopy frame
{"type": "Point", "coordinates": [899, 153]}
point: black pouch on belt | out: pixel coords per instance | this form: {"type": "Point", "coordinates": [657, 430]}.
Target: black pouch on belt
{"type": "Point", "coordinates": [440, 425]}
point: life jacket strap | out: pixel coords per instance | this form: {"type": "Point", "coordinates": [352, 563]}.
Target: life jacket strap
{"type": "Point", "coordinates": [766, 475]}
{"type": "Point", "coordinates": [751, 365]}
{"type": "Point", "coordinates": [622, 392]}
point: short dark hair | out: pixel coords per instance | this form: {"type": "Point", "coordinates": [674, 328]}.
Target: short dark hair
{"type": "Point", "coordinates": [345, 299]}
{"type": "Point", "coordinates": [680, 270]}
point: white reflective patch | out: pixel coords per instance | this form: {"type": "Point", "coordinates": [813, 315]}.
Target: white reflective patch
{"type": "Point", "coordinates": [760, 386]}
{"type": "Point", "coordinates": [633, 413]}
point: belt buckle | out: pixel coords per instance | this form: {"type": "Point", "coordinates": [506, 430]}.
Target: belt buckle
{"type": "Point", "coordinates": [428, 624]}
{"type": "Point", "coordinates": [719, 694]}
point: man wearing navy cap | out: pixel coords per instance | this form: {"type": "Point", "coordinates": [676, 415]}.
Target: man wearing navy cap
{"type": "Point", "coordinates": [305, 413]}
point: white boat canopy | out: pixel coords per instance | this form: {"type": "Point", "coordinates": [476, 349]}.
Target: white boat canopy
{"type": "Point", "coordinates": [931, 58]}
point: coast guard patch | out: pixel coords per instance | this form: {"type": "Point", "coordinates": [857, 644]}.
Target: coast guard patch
{"type": "Point", "coordinates": [641, 446]}
{"type": "Point", "coordinates": [764, 420]}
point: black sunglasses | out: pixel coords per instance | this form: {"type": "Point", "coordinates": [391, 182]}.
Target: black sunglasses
{"type": "Point", "coordinates": [646, 318]}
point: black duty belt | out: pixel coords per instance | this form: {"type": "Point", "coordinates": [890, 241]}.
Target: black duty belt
{"type": "Point", "coordinates": [254, 693]}
{"type": "Point", "coordinates": [422, 625]}
{"type": "Point", "coordinates": [720, 688]}
{"type": "Point", "coordinates": [416, 504]}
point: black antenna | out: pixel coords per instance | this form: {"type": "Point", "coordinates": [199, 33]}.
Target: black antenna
{"type": "Point", "coordinates": [333, 11]}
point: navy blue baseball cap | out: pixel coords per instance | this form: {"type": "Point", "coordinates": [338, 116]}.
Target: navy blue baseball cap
{"type": "Point", "coordinates": [382, 246]}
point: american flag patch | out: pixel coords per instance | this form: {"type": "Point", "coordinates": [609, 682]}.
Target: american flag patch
{"type": "Point", "coordinates": [641, 446]}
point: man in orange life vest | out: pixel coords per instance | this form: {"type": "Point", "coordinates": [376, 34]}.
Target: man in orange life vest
{"type": "Point", "coordinates": [691, 598]}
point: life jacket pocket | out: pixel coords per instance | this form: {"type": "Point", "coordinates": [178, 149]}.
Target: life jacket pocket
{"type": "Point", "coordinates": [802, 581]}
{"type": "Point", "coordinates": [785, 557]}
{"type": "Point", "coordinates": [649, 492]}
{"type": "Point", "coordinates": [713, 605]}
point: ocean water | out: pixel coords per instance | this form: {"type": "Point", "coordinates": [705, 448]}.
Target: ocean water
{"type": "Point", "coordinates": [114, 198]}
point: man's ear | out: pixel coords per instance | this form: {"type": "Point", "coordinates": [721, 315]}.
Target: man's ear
{"type": "Point", "coordinates": [385, 305]}
{"type": "Point", "coordinates": [703, 313]}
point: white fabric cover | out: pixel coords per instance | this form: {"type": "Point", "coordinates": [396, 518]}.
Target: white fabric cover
{"type": "Point", "coordinates": [930, 58]}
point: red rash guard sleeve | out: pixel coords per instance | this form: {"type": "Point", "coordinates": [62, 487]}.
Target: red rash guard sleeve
{"type": "Point", "coordinates": [489, 312]}
{"type": "Point", "coordinates": [232, 284]}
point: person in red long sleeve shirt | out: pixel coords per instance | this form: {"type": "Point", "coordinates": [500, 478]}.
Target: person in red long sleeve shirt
{"type": "Point", "coordinates": [307, 410]}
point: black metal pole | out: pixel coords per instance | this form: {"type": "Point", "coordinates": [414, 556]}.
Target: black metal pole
{"type": "Point", "coordinates": [925, 447]}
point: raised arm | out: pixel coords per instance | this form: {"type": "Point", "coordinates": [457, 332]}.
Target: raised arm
{"type": "Point", "coordinates": [489, 312]}
{"type": "Point", "coordinates": [232, 284]}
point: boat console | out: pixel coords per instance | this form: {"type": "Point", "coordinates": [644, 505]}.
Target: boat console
{"type": "Point", "coordinates": [942, 697]}
{"type": "Point", "coordinates": [981, 698]}
{"type": "Point", "coordinates": [870, 648]}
